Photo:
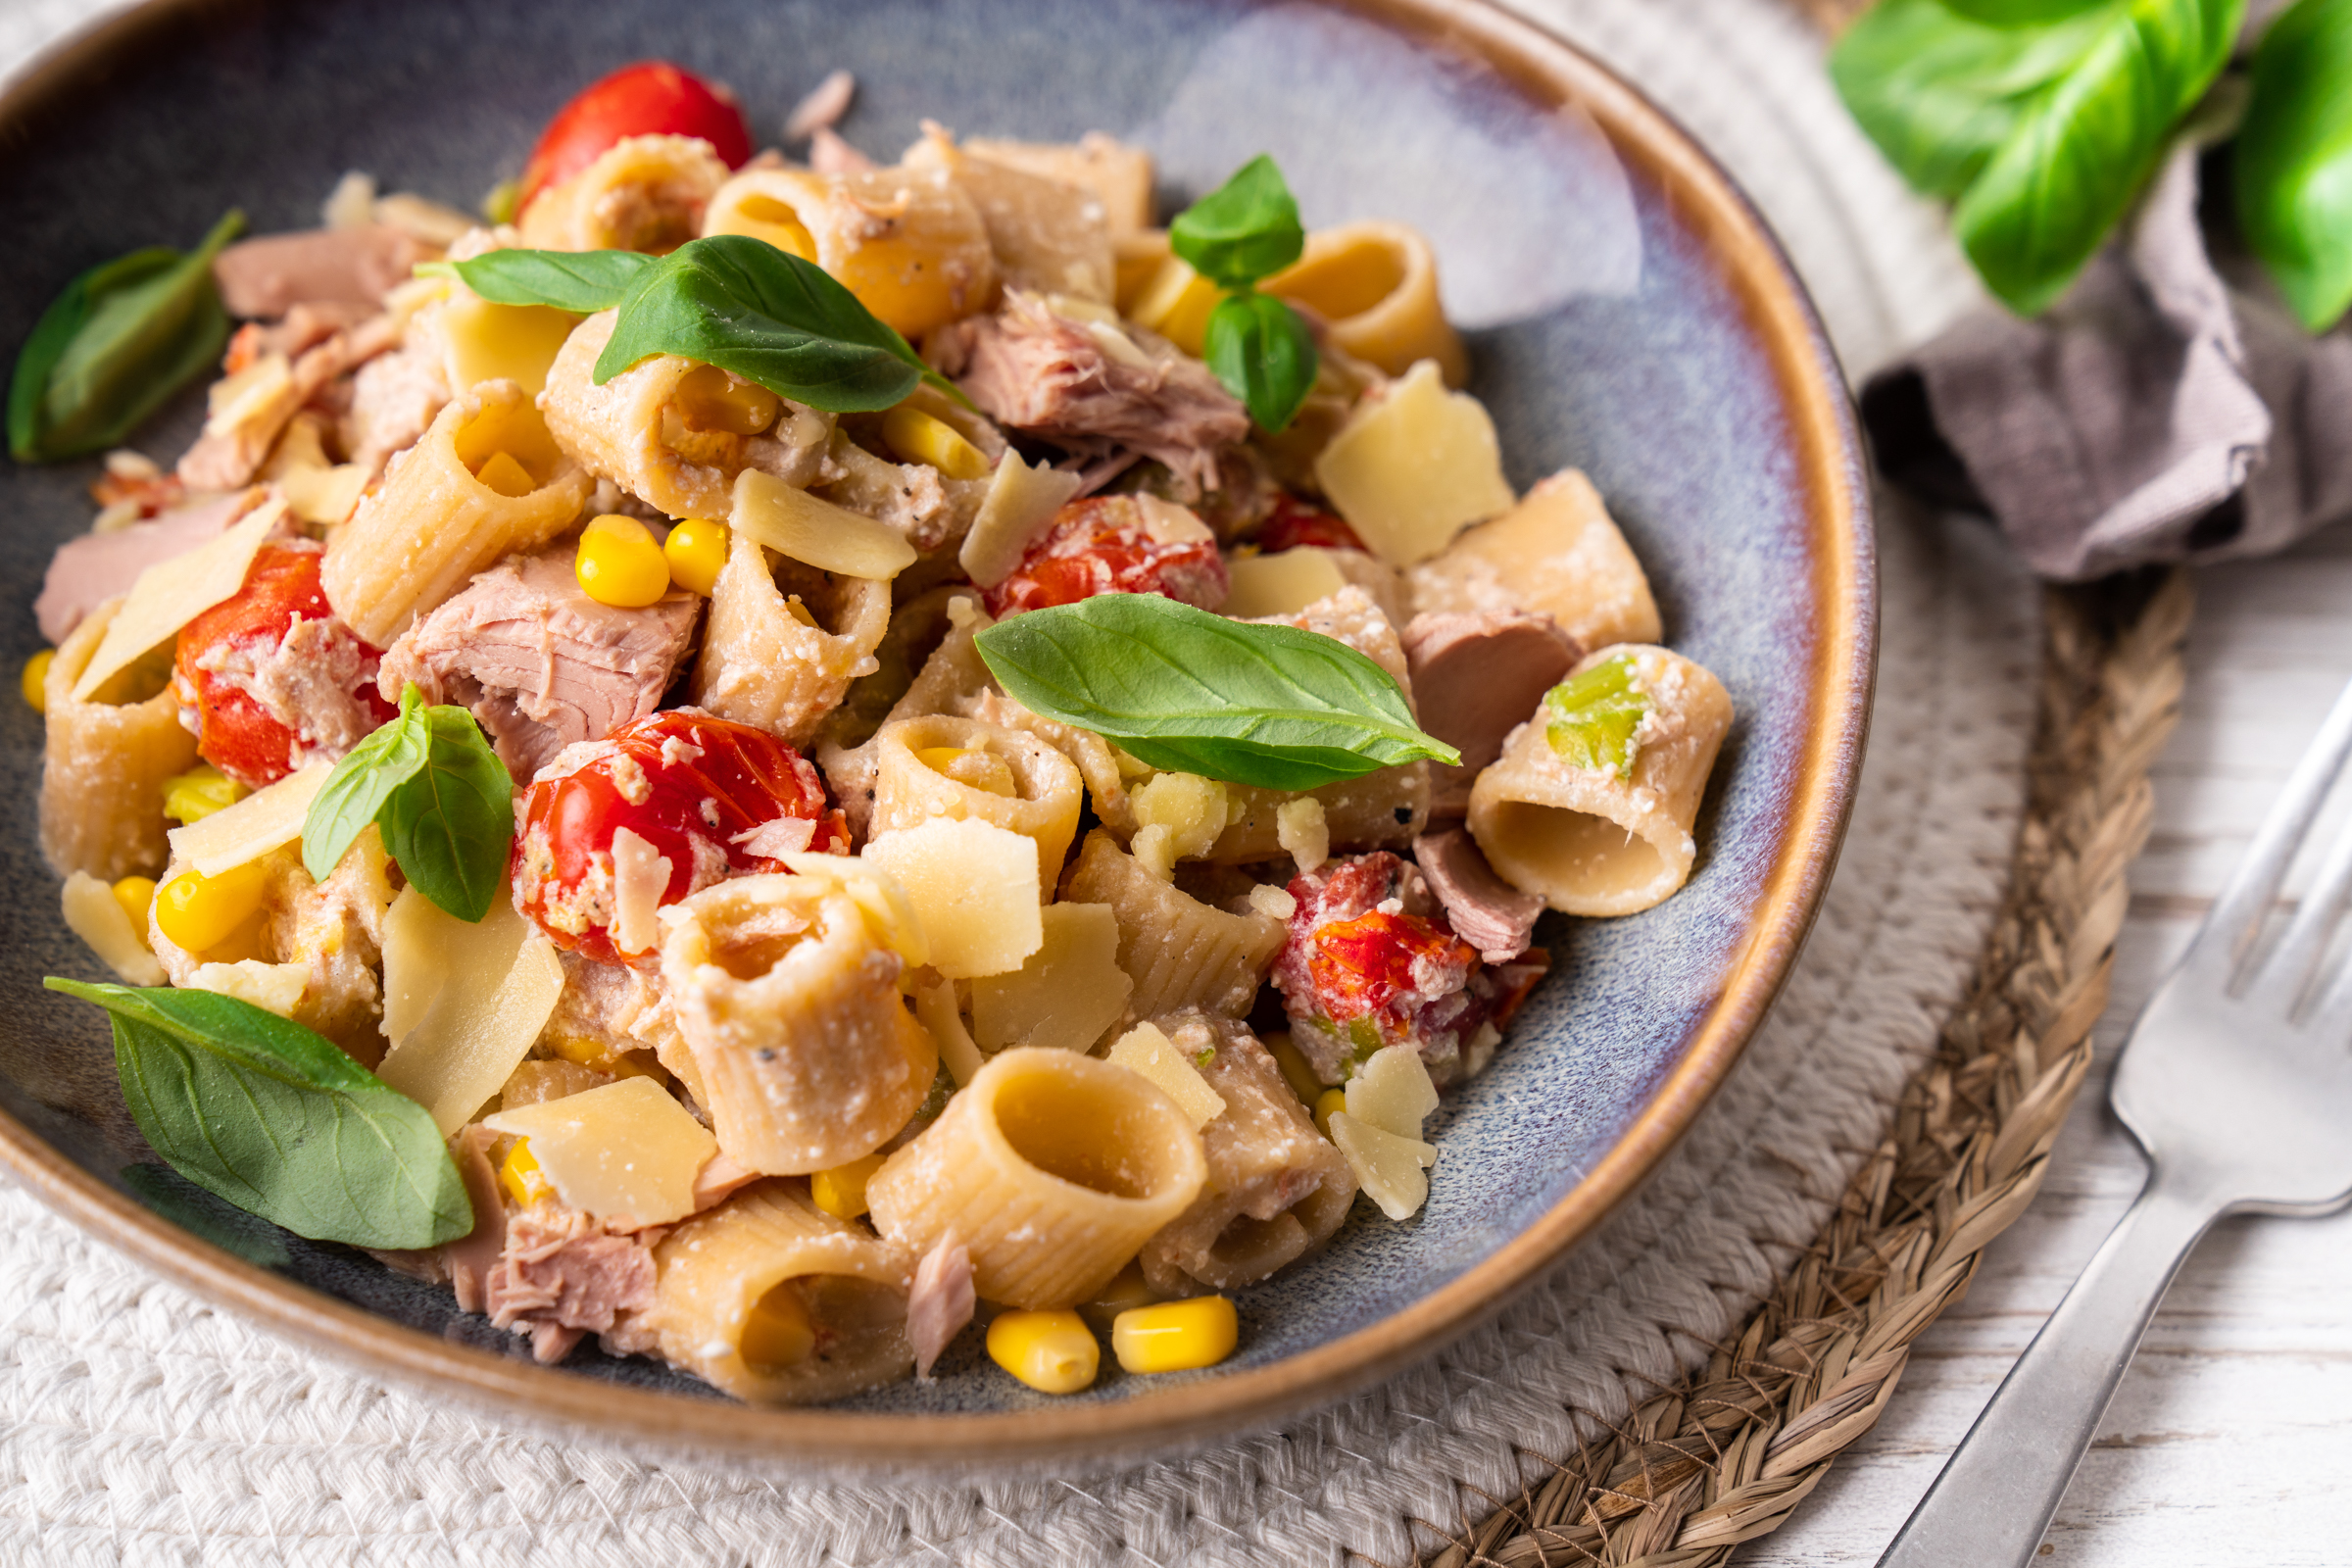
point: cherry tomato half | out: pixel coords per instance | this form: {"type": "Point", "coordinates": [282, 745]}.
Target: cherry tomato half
{"type": "Point", "coordinates": [1294, 522]}
{"type": "Point", "coordinates": [245, 670]}
{"type": "Point", "coordinates": [688, 784]}
{"type": "Point", "coordinates": [651, 98]}
{"type": "Point", "coordinates": [1111, 545]}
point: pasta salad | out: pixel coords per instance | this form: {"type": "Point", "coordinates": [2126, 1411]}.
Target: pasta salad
{"type": "Point", "coordinates": [781, 759]}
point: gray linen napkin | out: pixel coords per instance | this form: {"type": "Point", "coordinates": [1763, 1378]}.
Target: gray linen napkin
{"type": "Point", "coordinates": [2154, 414]}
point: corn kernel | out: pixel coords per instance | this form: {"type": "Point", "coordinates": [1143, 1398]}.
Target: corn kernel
{"type": "Point", "coordinates": [1327, 1104]}
{"type": "Point", "coordinates": [596, 1055]}
{"type": "Point", "coordinates": [136, 893]}
{"type": "Point", "coordinates": [697, 551]}
{"type": "Point", "coordinates": [919, 438]}
{"type": "Point", "coordinates": [708, 398]}
{"type": "Point", "coordinates": [197, 794]}
{"type": "Point", "coordinates": [519, 1174]}
{"type": "Point", "coordinates": [777, 1332]}
{"type": "Point", "coordinates": [502, 474]}
{"type": "Point", "coordinates": [620, 565]}
{"type": "Point", "coordinates": [1175, 1336]}
{"type": "Point", "coordinates": [1053, 1353]}
{"type": "Point", "coordinates": [1127, 1289]}
{"type": "Point", "coordinates": [841, 1191]}
{"type": "Point", "coordinates": [975, 767]}
{"type": "Point", "coordinates": [198, 911]}
{"type": "Point", "coordinates": [766, 218]}
{"type": "Point", "coordinates": [36, 680]}
{"type": "Point", "coordinates": [1296, 1071]}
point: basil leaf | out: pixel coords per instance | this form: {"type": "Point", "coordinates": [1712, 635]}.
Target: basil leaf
{"type": "Point", "coordinates": [2020, 12]}
{"type": "Point", "coordinates": [448, 824]}
{"type": "Point", "coordinates": [355, 793]}
{"type": "Point", "coordinates": [1246, 229]}
{"type": "Point", "coordinates": [2294, 160]}
{"type": "Point", "coordinates": [115, 346]}
{"type": "Point", "coordinates": [1188, 691]}
{"type": "Point", "coordinates": [1263, 353]}
{"type": "Point", "coordinates": [743, 305]}
{"type": "Point", "coordinates": [270, 1116]}
{"type": "Point", "coordinates": [582, 283]}
{"type": "Point", "coordinates": [2083, 148]}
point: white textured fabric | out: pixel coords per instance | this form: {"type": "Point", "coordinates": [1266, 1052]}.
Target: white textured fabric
{"type": "Point", "coordinates": [139, 1425]}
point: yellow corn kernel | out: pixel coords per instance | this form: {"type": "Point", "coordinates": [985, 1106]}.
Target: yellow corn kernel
{"type": "Point", "coordinates": [1175, 1336]}
{"type": "Point", "coordinates": [708, 398]}
{"type": "Point", "coordinates": [766, 218]}
{"type": "Point", "coordinates": [1327, 1104]}
{"type": "Point", "coordinates": [36, 680]}
{"type": "Point", "coordinates": [502, 474]}
{"type": "Point", "coordinates": [620, 565]}
{"type": "Point", "coordinates": [197, 794]}
{"type": "Point", "coordinates": [1053, 1353]}
{"type": "Point", "coordinates": [136, 893]}
{"type": "Point", "coordinates": [198, 911]}
{"type": "Point", "coordinates": [1127, 1289]}
{"type": "Point", "coordinates": [841, 1191]}
{"type": "Point", "coordinates": [519, 1174]}
{"type": "Point", "coordinates": [1176, 304]}
{"type": "Point", "coordinates": [919, 438]}
{"type": "Point", "coordinates": [777, 1332]}
{"type": "Point", "coordinates": [696, 549]}
{"type": "Point", "coordinates": [596, 1054]}
{"type": "Point", "coordinates": [1296, 1071]}
{"type": "Point", "coordinates": [976, 767]}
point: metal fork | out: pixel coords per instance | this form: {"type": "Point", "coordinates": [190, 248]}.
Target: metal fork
{"type": "Point", "coordinates": [2238, 1082]}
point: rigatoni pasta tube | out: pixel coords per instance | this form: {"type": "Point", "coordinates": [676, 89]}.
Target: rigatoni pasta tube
{"type": "Point", "coordinates": [1557, 553]}
{"type": "Point", "coordinates": [1376, 287]}
{"type": "Point", "coordinates": [1179, 952]}
{"type": "Point", "coordinates": [1051, 1168]}
{"type": "Point", "coordinates": [103, 764]}
{"type": "Point", "coordinates": [775, 1301]}
{"type": "Point", "coordinates": [808, 1056]}
{"type": "Point", "coordinates": [1048, 235]}
{"type": "Point", "coordinates": [484, 481]}
{"type": "Point", "coordinates": [643, 193]}
{"type": "Point", "coordinates": [908, 242]}
{"type": "Point", "coordinates": [961, 767]}
{"type": "Point", "coordinates": [784, 640]}
{"type": "Point", "coordinates": [1600, 840]}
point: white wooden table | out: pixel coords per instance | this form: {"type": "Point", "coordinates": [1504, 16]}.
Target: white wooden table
{"type": "Point", "coordinates": [2231, 1441]}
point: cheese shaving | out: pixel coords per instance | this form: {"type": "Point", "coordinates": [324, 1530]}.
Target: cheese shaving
{"type": "Point", "coordinates": [1020, 504]}
{"type": "Point", "coordinates": [467, 1002]}
{"type": "Point", "coordinates": [97, 916]}
{"type": "Point", "coordinates": [265, 820]}
{"type": "Point", "coordinates": [172, 593]}
{"type": "Point", "coordinates": [620, 1150]}
{"type": "Point", "coordinates": [640, 876]}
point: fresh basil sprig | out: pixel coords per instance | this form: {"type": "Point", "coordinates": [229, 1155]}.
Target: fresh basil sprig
{"type": "Point", "coordinates": [2044, 131]}
{"type": "Point", "coordinates": [2294, 159]}
{"type": "Point", "coordinates": [273, 1118]}
{"type": "Point", "coordinates": [1195, 693]}
{"type": "Point", "coordinates": [1244, 231]}
{"type": "Point", "coordinates": [437, 792]}
{"type": "Point", "coordinates": [115, 346]}
{"type": "Point", "coordinates": [582, 283]}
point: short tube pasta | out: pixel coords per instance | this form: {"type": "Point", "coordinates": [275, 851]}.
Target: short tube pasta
{"type": "Point", "coordinates": [784, 640]}
{"type": "Point", "coordinates": [435, 522]}
{"type": "Point", "coordinates": [104, 765]}
{"type": "Point", "coordinates": [1376, 287]}
{"type": "Point", "coordinates": [643, 193]}
{"type": "Point", "coordinates": [1557, 553]}
{"type": "Point", "coordinates": [961, 767]}
{"type": "Point", "coordinates": [1051, 1168]}
{"type": "Point", "coordinates": [1179, 952]}
{"type": "Point", "coordinates": [1591, 841]}
{"type": "Point", "coordinates": [769, 1251]}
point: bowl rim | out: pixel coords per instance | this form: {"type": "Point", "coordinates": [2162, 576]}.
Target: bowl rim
{"type": "Point", "coordinates": [1832, 475]}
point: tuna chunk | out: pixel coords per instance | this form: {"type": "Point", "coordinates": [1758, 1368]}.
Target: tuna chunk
{"type": "Point", "coordinates": [1092, 383]}
{"type": "Point", "coordinates": [541, 664]}
{"type": "Point", "coordinates": [1477, 678]}
{"type": "Point", "coordinates": [357, 266]}
{"type": "Point", "coordinates": [940, 1301]}
{"type": "Point", "coordinates": [251, 410]}
{"type": "Point", "coordinates": [87, 572]}
{"type": "Point", "coordinates": [472, 1258]}
{"type": "Point", "coordinates": [1484, 910]}
{"type": "Point", "coordinates": [560, 1276]}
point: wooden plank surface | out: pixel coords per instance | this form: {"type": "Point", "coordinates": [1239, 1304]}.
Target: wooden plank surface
{"type": "Point", "coordinates": [2231, 1441]}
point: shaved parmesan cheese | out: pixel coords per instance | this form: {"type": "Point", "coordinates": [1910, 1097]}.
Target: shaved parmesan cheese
{"type": "Point", "coordinates": [817, 533]}
{"type": "Point", "coordinates": [1021, 502]}
{"type": "Point", "coordinates": [976, 888]}
{"type": "Point", "coordinates": [1065, 993]}
{"type": "Point", "coordinates": [262, 821]}
{"type": "Point", "coordinates": [172, 593]}
{"type": "Point", "coordinates": [1414, 466]}
{"type": "Point", "coordinates": [623, 1150]}
{"type": "Point", "coordinates": [463, 1004]}
{"type": "Point", "coordinates": [1280, 584]}
{"type": "Point", "coordinates": [1147, 1049]}
{"type": "Point", "coordinates": [324, 495]}
{"type": "Point", "coordinates": [640, 876]}
{"type": "Point", "coordinates": [1302, 833]}
{"type": "Point", "coordinates": [274, 987]}
{"type": "Point", "coordinates": [935, 1007]}
{"type": "Point", "coordinates": [1389, 1168]}
{"type": "Point", "coordinates": [773, 841]}
{"type": "Point", "coordinates": [1392, 1090]}
{"type": "Point", "coordinates": [889, 913]}
{"type": "Point", "coordinates": [98, 917]}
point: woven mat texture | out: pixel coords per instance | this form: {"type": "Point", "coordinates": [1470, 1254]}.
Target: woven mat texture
{"type": "Point", "coordinates": [140, 1425]}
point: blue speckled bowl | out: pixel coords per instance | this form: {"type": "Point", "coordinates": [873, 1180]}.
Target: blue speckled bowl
{"type": "Point", "coordinates": [1627, 314]}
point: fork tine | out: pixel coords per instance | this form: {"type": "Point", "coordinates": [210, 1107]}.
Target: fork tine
{"type": "Point", "coordinates": [2237, 913]}
{"type": "Point", "coordinates": [2289, 970]}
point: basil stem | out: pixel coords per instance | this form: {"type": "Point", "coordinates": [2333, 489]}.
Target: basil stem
{"type": "Point", "coordinates": [443, 800]}
{"type": "Point", "coordinates": [113, 348]}
{"type": "Point", "coordinates": [264, 1113]}
{"type": "Point", "coordinates": [2294, 160]}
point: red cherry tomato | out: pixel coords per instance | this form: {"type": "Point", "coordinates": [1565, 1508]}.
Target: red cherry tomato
{"type": "Point", "coordinates": [1110, 545]}
{"type": "Point", "coordinates": [1294, 522]}
{"type": "Point", "coordinates": [688, 784]}
{"type": "Point", "coordinates": [651, 98]}
{"type": "Point", "coordinates": [322, 676]}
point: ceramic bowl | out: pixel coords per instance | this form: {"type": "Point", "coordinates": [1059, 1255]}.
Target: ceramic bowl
{"type": "Point", "coordinates": [1626, 313]}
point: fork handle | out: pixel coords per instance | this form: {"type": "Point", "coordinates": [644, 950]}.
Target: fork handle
{"type": "Point", "coordinates": [2002, 1486]}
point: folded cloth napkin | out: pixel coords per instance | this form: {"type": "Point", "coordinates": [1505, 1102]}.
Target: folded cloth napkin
{"type": "Point", "coordinates": [2154, 414]}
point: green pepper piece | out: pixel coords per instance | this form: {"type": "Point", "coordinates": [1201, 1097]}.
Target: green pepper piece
{"type": "Point", "coordinates": [115, 346]}
{"type": "Point", "coordinates": [1593, 718]}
